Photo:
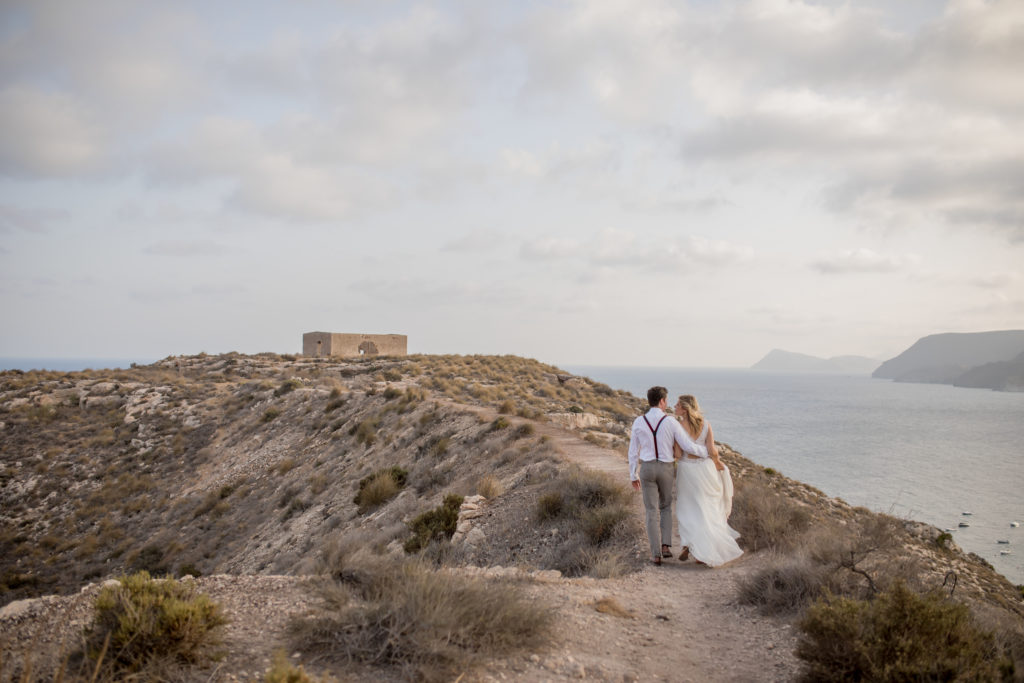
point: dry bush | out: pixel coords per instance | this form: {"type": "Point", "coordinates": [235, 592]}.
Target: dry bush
{"type": "Point", "coordinates": [283, 671]}
{"type": "Point", "coordinates": [429, 624]}
{"type": "Point", "coordinates": [766, 518]}
{"type": "Point", "coordinates": [507, 407]}
{"type": "Point", "coordinates": [143, 625]}
{"type": "Point", "coordinates": [898, 636]}
{"type": "Point", "coordinates": [379, 488]}
{"type": "Point", "coordinates": [786, 585]}
{"type": "Point", "coordinates": [489, 487]}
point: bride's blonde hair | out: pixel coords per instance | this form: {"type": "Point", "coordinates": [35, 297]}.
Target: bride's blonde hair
{"type": "Point", "coordinates": [694, 418]}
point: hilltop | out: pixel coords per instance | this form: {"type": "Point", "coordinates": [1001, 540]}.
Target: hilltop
{"type": "Point", "coordinates": [264, 476]}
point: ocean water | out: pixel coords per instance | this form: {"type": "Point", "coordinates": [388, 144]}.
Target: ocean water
{"type": "Point", "coordinates": [919, 451]}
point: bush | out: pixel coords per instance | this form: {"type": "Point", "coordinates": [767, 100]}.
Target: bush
{"type": "Point", "coordinates": [499, 423]}
{"type": "Point", "coordinates": [366, 431]}
{"type": "Point", "coordinates": [288, 386]}
{"type": "Point", "coordinates": [380, 487]}
{"type": "Point", "coordinates": [489, 487]}
{"type": "Point", "coordinates": [899, 636]}
{"type": "Point", "coordinates": [434, 525]}
{"type": "Point", "coordinates": [524, 430]}
{"type": "Point", "coordinates": [766, 518]}
{"type": "Point", "coordinates": [143, 622]}
{"type": "Point", "coordinates": [507, 407]}
{"type": "Point", "coordinates": [270, 414]}
{"type": "Point", "coordinates": [786, 585]}
{"type": "Point", "coordinates": [432, 625]}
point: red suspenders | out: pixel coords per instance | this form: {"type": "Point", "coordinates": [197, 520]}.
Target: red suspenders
{"type": "Point", "coordinates": [654, 434]}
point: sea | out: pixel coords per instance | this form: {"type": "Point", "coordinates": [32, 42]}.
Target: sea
{"type": "Point", "coordinates": [929, 452]}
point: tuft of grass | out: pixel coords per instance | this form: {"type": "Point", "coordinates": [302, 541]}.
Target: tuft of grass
{"type": "Point", "coordinates": [489, 487]}
{"type": "Point", "coordinates": [434, 525]}
{"type": "Point", "coordinates": [143, 622]}
{"type": "Point", "coordinates": [524, 430]}
{"type": "Point", "coordinates": [499, 423]}
{"type": "Point", "coordinates": [786, 585]}
{"type": "Point", "coordinates": [270, 414]}
{"type": "Point", "coordinates": [427, 624]}
{"type": "Point", "coordinates": [765, 518]}
{"type": "Point", "coordinates": [898, 636]}
{"type": "Point", "coordinates": [379, 488]}
{"type": "Point", "coordinates": [366, 431]}
{"type": "Point", "coordinates": [613, 607]}
{"type": "Point", "coordinates": [288, 386]}
{"type": "Point", "coordinates": [507, 407]}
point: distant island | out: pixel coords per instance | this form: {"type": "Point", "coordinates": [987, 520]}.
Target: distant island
{"type": "Point", "coordinates": [988, 360]}
{"type": "Point", "coordinates": [778, 360]}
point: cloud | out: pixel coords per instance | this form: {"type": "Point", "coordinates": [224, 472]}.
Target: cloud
{"type": "Point", "coordinates": [621, 249]}
{"type": "Point", "coordinates": [473, 242]}
{"type": "Point", "coordinates": [863, 261]}
{"type": "Point", "coordinates": [44, 133]}
{"type": "Point", "coordinates": [995, 280]}
{"type": "Point", "coordinates": [183, 248]}
{"type": "Point", "coordinates": [13, 218]}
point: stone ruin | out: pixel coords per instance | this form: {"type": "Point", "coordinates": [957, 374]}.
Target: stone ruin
{"type": "Point", "coordinates": [343, 345]}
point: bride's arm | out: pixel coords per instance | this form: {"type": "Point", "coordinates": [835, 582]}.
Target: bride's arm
{"type": "Point", "coordinates": [677, 452]}
{"type": "Point", "coordinates": [709, 442]}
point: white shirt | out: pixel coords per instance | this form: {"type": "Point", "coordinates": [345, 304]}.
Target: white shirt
{"type": "Point", "coordinates": [641, 440]}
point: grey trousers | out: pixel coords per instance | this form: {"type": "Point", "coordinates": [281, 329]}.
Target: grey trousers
{"type": "Point", "coordinates": [656, 481]}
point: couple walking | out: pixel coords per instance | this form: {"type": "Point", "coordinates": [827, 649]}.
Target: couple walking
{"type": "Point", "coordinates": [702, 482]}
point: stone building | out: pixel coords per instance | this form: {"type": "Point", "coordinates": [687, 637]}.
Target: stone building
{"type": "Point", "coordinates": [322, 344]}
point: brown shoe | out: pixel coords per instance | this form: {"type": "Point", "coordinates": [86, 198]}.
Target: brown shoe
{"type": "Point", "coordinates": [684, 555]}
{"type": "Point", "coordinates": [656, 561]}
{"type": "Point", "coordinates": [666, 550]}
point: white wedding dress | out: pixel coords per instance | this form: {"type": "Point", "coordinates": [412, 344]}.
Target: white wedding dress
{"type": "Point", "coordinates": [703, 504]}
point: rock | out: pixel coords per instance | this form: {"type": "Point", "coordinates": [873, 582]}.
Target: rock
{"type": "Point", "coordinates": [575, 420]}
{"type": "Point", "coordinates": [475, 537]}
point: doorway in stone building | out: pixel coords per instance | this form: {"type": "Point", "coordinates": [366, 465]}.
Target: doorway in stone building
{"type": "Point", "coordinates": [368, 348]}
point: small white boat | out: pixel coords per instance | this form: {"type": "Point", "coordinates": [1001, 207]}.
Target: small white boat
{"type": "Point", "coordinates": [949, 528]}
{"type": "Point", "coordinates": [966, 512]}
{"type": "Point", "coordinates": [1005, 552]}
{"type": "Point", "coordinates": [1015, 524]}
{"type": "Point", "coordinates": [963, 524]}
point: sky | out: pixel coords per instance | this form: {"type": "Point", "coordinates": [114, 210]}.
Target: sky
{"type": "Point", "coordinates": [601, 182]}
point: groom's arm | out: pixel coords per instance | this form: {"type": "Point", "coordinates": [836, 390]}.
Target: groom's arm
{"type": "Point", "coordinates": [634, 457]}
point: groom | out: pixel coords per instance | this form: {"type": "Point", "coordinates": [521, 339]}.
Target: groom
{"type": "Point", "coordinates": [650, 452]}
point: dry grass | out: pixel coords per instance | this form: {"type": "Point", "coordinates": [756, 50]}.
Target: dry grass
{"type": "Point", "coordinates": [489, 487]}
{"type": "Point", "coordinates": [613, 607]}
{"type": "Point", "coordinates": [766, 518]}
{"type": "Point", "coordinates": [428, 624]}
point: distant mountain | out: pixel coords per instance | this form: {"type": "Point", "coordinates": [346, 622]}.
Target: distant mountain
{"type": "Point", "coordinates": [993, 360]}
{"type": "Point", "coordinates": [778, 360]}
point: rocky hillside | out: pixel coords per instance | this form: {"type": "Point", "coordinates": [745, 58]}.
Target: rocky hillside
{"type": "Point", "coordinates": [243, 464]}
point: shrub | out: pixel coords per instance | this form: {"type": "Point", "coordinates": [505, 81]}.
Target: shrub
{"type": "Point", "coordinates": [379, 487]}
{"type": "Point", "coordinates": [524, 430]}
{"type": "Point", "coordinates": [143, 622]}
{"type": "Point", "coordinates": [766, 518]}
{"type": "Point", "coordinates": [592, 503]}
{"type": "Point", "coordinates": [392, 393]}
{"type": "Point", "coordinates": [270, 414]}
{"type": "Point", "coordinates": [575, 409]}
{"type": "Point", "coordinates": [499, 423]}
{"type": "Point", "coordinates": [366, 431]}
{"type": "Point", "coordinates": [786, 585]}
{"type": "Point", "coordinates": [434, 525]}
{"type": "Point", "coordinates": [489, 487]}
{"type": "Point", "coordinates": [600, 524]}
{"type": "Point", "coordinates": [899, 636]}
{"type": "Point", "coordinates": [288, 386]}
{"type": "Point", "coordinates": [150, 560]}
{"type": "Point", "coordinates": [433, 625]}
{"type": "Point", "coordinates": [507, 407]}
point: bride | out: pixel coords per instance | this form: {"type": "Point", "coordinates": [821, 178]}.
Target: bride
{"type": "Point", "coordinates": [703, 494]}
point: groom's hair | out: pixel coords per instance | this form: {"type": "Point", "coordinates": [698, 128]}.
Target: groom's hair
{"type": "Point", "coordinates": [655, 394]}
